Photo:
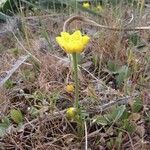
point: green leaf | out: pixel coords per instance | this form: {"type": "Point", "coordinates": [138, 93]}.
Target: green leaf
{"type": "Point", "coordinates": [128, 126]}
{"type": "Point", "coordinates": [2, 2]}
{"type": "Point", "coordinates": [33, 111]}
{"type": "Point", "coordinates": [125, 115]}
{"type": "Point", "coordinates": [16, 116]}
{"type": "Point", "coordinates": [119, 140]}
{"type": "Point", "coordinates": [38, 95]}
{"type": "Point", "coordinates": [9, 84]}
{"type": "Point", "coordinates": [137, 105]}
{"type": "Point", "coordinates": [122, 75]}
{"type": "Point", "coordinates": [113, 116]}
{"type": "Point", "coordinates": [6, 121]}
{"type": "Point", "coordinates": [100, 120]}
{"type": "Point", "coordinates": [2, 130]}
{"type": "Point", "coordinates": [135, 39]}
{"type": "Point", "coordinates": [4, 17]}
{"type": "Point", "coordinates": [112, 66]}
{"type": "Point", "coordinates": [117, 113]}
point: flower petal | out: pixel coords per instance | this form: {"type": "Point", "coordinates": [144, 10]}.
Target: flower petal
{"type": "Point", "coordinates": [65, 35]}
{"type": "Point", "coordinates": [85, 40]}
{"type": "Point", "coordinates": [59, 40]}
{"type": "Point", "coordinates": [76, 35]}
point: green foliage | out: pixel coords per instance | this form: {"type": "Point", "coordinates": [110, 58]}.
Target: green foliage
{"type": "Point", "coordinates": [122, 75]}
{"type": "Point", "coordinates": [9, 84]}
{"type": "Point", "coordinates": [117, 113]}
{"type": "Point", "coordinates": [16, 52]}
{"type": "Point", "coordinates": [118, 2]}
{"type": "Point", "coordinates": [57, 4]}
{"type": "Point", "coordinates": [48, 40]}
{"type": "Point", "coordinates": [16, 116]}
{"type": "Point", "coordinates": [111, 117]}
{"type": "Point", "coordinates": [119, 140]}
{"type": "Point", "coordinates": [33, 111]}
{"type": "Point", "coordinates": [13, 6]}
{"type": "Point", "coordinates": [2, 130]}
{"type": "Point", "coordinates": [55, 96]}
{"type": "Point", "coordinates": [128, 126]}
{"type": "Point", "coordinates": [137, 105]}
{"type": "Point", "coordinates": [95, 60]}
{"type": "Point", "coordinates": [38, 95]}
{"type": "Point", "coordinates": [101, 120]}
{"type": "Point", "coordinates": [134, 39]}
{"type": "Point", "coordinates": [5, 122]}
{"type": "Point", "coordinates": [2, 2]}
{"type": "Point", "coordinates": [10, 6]}
{"type": "Point", "coordinates": [147, 117]}
{"type": "Point", "coordinates": [112, 66]}
{"type": "Point", "coordinates": [29, 75]}
{"type": "Point", "coordinates": [121, 117]}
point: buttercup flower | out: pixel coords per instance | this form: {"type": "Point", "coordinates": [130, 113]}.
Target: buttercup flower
{"type": "Point", "coordinates": [71, 113]}
{"type": "Point", "coordinates": [99, 8]}
{"type": "Point", "coordinates": [72, 43]}
{"type": "Point", "coordinates": [70, 88]}
{"type": "Point", "coordinates": [86, 5]}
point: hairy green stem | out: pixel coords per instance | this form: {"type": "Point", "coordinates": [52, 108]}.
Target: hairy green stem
{"type": "Point", "coordinates": [75, 66]}
{"type": "Point", "coordinates": [80, 125]}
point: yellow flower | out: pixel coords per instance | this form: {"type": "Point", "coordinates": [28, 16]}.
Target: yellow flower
{"type": "Point", "coordinates": [99, 8]}
{"type": "Point", "coordinates": [70, 88]}
{"type": "Point", "coordinates": [72, 43]}
{"type": "Point", "coordinates": [71, 113]}
{"type": "Point", "coordinates": [86, 5]}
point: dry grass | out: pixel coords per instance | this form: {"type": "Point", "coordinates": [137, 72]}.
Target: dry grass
{"type": "Point", "coordinates": [41, 85]}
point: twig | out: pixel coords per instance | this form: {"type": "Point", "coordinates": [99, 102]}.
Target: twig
{"type": "Point", "coordinates": [147, 5]}
{"type": "Point", "coordinates": [98, 80]}
{"type": "Point", "coordinates": [132, 17]}
{"type": "Point", "coordinates": [86, 136]}
{"type": "Point", "coordinates": [146, 17]}
{"type": "Point", "coordinates": [95, 133]}
{"type": "Point", "coordinates": [43, 16]}
{"type": "Point", "coordinates": [104, 107]}
{"type": "Point", "coordinates": [18, 63]}
{"type": "Point", "coordinates": [91, 22]}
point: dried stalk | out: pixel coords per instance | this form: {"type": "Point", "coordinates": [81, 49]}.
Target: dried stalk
{"type": "Point", "coordinates": [18, 63]}
{"type": "Point", "coordinates": [91, 22]}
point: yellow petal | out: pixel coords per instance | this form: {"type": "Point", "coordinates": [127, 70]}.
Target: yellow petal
{"type": "Point", "coordinates": [60, 40]}
{"type": "Point", "coordinates": [78, 47]}
{"type": "Point", "coordinates": [76, 35]}
{"type": "Point", "coordinates": [65, 35]}
{"type": "Point", "coordinates": [86, 5]}
{"type": "Point", "coordinates": [85, 40]}
{"type": "Point", "coordinates": [67, 47]}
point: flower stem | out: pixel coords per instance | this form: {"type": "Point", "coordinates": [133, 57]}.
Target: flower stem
{"type": "Point", "coordinates": [80, 127]}
{"type": "Point", "coordinates": [75, 66]}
